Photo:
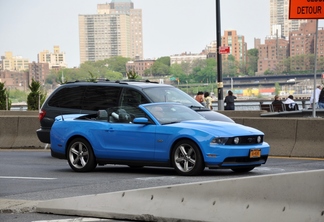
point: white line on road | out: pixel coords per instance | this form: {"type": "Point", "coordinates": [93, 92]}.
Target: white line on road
{"type": "Point", "coordinates": [153, 178]}
{"type": "Point", "coordinates": [27, 178]}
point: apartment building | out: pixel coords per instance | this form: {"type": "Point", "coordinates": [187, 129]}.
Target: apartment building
{"type": "Point", "coordinates": [273, 51]}
{"type": "Point", "coordinates": [186, 58]}
{"type": "Point", "coordinates": [14, 63]}
{"type": "Point", "coordinates": [236, 43]}
{"type": "Point", "coordinates": [279, 19]}
{"type": "Point", "coordinates": [14, 79]}
{"type": "Point", "coordinates": [300, 47]}
{"type": "Point", "coordinates": [139, 66]}
{"type": "Point", "coordinates": [55, 59]}
{"type": "Point", "coordinates": [302, 42]}
{"type": "Point", "coordinates": [116, 30]}
{"type": "Point", "coordinates": [38, 72]}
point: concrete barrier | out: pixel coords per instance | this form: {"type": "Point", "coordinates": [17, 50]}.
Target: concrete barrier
{"type": "Point", "coordinates": [18, 113]}
{"type": "Point", "coordinates": [292, 137]}
{"type": "Point", "coordinates": [283, 197]}
{"type": "Point", "coordinates": [309, 138]}
{"type": "Point", "coordinates": [279, 133]}
{"type": "Point", "coordinates": [19, 132]}
{"type": "Point", "coordinates": [8, 131]}
{"type": "Point", "coordinates": [300, 137]}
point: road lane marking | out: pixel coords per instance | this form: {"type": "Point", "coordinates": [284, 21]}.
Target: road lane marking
{"type": "Point", "coordinates": [153, 178]}
{"type": "Point", "coordinates": [27, 178]}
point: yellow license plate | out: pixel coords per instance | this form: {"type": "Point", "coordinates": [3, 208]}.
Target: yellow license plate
{"type": "Point", "coordinates": [255, 153]}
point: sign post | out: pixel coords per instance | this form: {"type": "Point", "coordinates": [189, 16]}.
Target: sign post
{"type": "Point", "coordinates": [308, 9]}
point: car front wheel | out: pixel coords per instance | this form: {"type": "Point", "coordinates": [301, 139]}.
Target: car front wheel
{"type": "Point", "coordinates": [187, 159]}
{"type": "Point", "coordinates": [80, 156]}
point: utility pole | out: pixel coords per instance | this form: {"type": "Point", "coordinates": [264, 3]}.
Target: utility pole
{"type": "Point", "coordinates": [219, 58]}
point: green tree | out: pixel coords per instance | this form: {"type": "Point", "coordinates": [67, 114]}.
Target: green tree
{"type": "Point", "coordinates": [5, 102]}
{"type": "Point", "coordinates": [230, 66]}
{"type": "Point", "coordinates": [205, 71]}
{"type": "Point", "coordinates": [164, 60]}
{"type": "Point", "coordinates": [252, 63]}
{"type": "Point", "coordinates": [132, 75]}
{"type": "Point", "coordinates": [277, 88]}
{"type": "Point", "coordinates": [35, 98]}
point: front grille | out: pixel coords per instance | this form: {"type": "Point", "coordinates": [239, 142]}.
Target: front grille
{"type": "Point", "coordinates": [244, 140]}
{"type": "Point", "coordinates": [235, 160]}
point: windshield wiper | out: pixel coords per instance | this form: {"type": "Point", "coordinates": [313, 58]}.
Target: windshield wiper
{"type": "Point", "coordinates": [171, 122]}
{"type": "Point", "coordinates": [197, 107]}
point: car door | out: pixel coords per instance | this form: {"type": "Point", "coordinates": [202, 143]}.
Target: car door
{"type": "Point", "coordinates": [127, 141]}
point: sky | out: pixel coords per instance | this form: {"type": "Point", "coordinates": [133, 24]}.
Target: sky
{"type": "Point", "coordinates": [169, 26]}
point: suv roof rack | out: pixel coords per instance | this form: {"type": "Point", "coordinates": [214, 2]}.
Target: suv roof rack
{"type": "Point", "coordinates": [126, 81]}
{"type": "Point", "coordinates": [134, 80]}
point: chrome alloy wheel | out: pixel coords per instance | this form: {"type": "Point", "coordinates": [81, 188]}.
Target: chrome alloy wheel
{"type": "Point", "coordinates": [80, 156]}
{"type": "Point", "coordinates": [187, 158]}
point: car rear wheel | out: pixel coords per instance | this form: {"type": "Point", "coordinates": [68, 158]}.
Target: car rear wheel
{"type": "Point", "coordinates": [242, 169]}
{"type": "Point", "coordinates": [80, 156]}
{"type": "Point", "coordinates": [187, 159]}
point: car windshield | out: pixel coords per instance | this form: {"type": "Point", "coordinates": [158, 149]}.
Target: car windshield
{"type": "Point", "coordinates": [172, 113]}
{"type": "Point", "coordinates": [171, 94]}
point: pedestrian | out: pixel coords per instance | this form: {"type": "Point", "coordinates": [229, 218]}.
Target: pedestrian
{"type": "Point", "coordinates": [229, 100]}
{"type": "Point", "coordinates": [276, 100]}
{"type": "Point", "coordinates": [277, 104]}
{"type": "Point", "coordinates": [321, 99]}
{"type": "Point", "coordinates": [317, 93]}
{"type": "Point", "coordinates": [208, 100]}
{"type": "Point", "coordinates": [200, 98]}
{"type": "Point", "coordinates": [291, 104]}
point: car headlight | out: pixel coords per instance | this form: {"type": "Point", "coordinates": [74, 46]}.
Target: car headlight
{"type": "Point", "coordinates": [219, 140]}
{"type": "Point", "coordinates": [236, 140]}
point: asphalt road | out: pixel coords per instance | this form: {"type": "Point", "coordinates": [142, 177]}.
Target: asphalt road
{"type": "Point", "coordinates": [34, 175]}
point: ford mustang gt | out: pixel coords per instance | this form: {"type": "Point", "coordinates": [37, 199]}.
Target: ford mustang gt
{"type": "Point", "coordinates": [156, 134]}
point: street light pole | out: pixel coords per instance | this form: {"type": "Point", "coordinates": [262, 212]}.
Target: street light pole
{"type": "Point", "coordinates": [219, 58]}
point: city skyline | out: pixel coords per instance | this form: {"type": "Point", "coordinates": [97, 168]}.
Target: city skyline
{"type": "Point", "coordinates": [169, 27]}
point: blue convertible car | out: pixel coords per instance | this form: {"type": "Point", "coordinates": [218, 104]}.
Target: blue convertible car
{"type": "Point", "coordinates": [156, 134]}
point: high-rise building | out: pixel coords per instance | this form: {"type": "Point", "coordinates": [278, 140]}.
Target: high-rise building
{"type": "Point", "coordinates": [38, 72]}
{"type": "Point", "coordinates": [271, 53]}
{"type": "Point", "coordinates": [302, 45]}
{"type": "Point", "coordinates": [279, 19]}
{"type": "Point", "coordinates": [116, 30]}
{"type": "Point", "coordinates": [14, 63]}
{"type": "Point", "coordinates": [55, 60]}
{"type": "Point", "coordinates": [237, 44]}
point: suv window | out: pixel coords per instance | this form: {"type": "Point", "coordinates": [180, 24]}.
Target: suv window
{"type": "Point", "coordinates": [100, 97]}
{"type": "Point", "coordinates": [68, 97]}
{"type": "Point", "coordinates": [170, 94]}
{"type": "Point", "coordinates": [132, 98]}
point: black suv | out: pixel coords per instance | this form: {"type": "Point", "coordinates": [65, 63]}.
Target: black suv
{"type": "Point", "coordinates": [89, 97]}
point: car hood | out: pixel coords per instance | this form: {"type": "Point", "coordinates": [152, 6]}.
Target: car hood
{"type": "Point", "coordinates": [219, 127]}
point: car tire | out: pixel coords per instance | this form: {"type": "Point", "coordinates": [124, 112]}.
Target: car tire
{"type": "Point", "coordinates": [80, 155]}
{"type": "Point", "coordinates": [187, 159]}
{"type": "Point", "coordinates": [242, 169]}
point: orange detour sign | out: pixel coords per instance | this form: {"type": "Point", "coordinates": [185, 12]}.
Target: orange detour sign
{"type": "Point", "coordinates": [306, 9]}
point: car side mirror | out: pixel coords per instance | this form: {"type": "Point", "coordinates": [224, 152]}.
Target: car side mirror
{"type": "Point", "coordinates": [141, 120]}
